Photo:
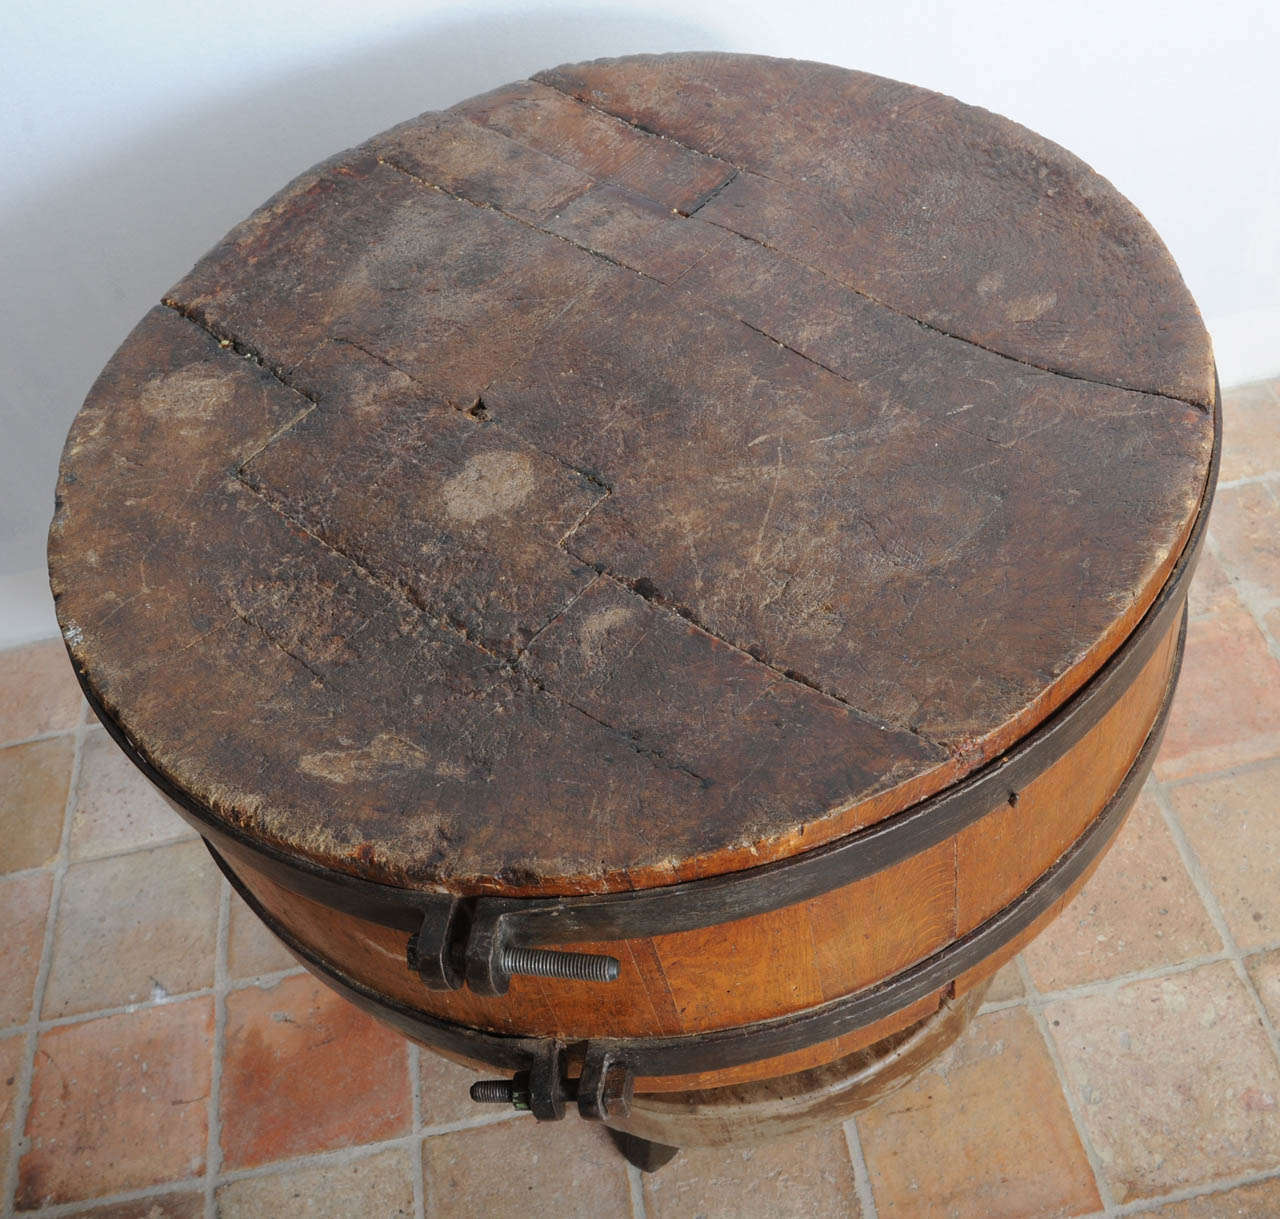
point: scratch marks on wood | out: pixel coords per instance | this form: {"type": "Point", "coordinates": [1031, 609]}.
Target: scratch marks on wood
{"type": "Point", "coordinates": [538, 467]}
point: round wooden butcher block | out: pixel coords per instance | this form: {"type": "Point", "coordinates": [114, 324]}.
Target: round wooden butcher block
{"type": "Point", "coordinates": [640, 473]}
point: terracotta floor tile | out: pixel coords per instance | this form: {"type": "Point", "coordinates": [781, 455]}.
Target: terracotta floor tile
{"type": "Point", "coordinates": [11, 1052]}
{"type": "Point", "coordinates": [24, 904]}
{"type": "Point", "coordinates": [443, 1089]}
{"type": "Point", "coordinates": [38, 691]}
{"type": "Point", "coordinates": [116, 809]}
{"type": "Point", "coordinates": [1264, 972]}
{"type": "Point", "coordinates": [306, 1071]}
{"type": "Point", "coordinates": [251, 948]}
{"type": "Point", "coordinates": [521, 1168]}
{"type": "Point", "coordinates": [1176, 1080]}
{"type": "Point", "coordinates": [1227, 708]}
{"type": "Point", "coordinates": [1258, 1201]}
{"type": "Point", "coordinates": [1251, 430]}
{"type": "Point", "coordinates": [1139, 910]}
{"type": "Point", "coordinates": [1007, 984]}
{"type": "Point", "coordinates": [118, 1103]}
{"type": "Point", "coordinates": [1233, 825]}
{"type": "Point", "coordinates": [379, 1185]}
{"type": "Point", "coordinates": [984, 1132]}
{"type": "Point", "coordinates": [805, 1175]}
{"type": "Point", "coordinates": [1246, 531]}
{"type": "Point", "coordinates": [159, 1206]}
{"type": "Point", "coordinates": [1210, 590]}
{"type": "Point", "coordinates": [132, 928]}
{"type": "Point", "coordinates": [33, 799]}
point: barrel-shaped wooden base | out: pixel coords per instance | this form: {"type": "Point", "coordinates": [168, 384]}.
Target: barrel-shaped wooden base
{"type": "Point", "coordinates": [784, 962]}
{"type": "Point", "coordinates": [770, 1109]}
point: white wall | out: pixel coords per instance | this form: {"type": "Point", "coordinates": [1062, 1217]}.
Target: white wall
{"type": "Point", "coordinates": [133, 135]}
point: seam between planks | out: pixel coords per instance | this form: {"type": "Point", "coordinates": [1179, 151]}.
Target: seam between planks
{"type": "Point", "coordinates": [720, 308]}
{"type": "Point", "coordinates": [227, 342]}
{"type": "Point", "coordinates": [741, 169]}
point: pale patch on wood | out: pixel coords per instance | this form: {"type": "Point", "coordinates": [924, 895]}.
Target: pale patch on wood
{"type": "Point", "coordinates": [198, 392]}
{"type": "Point", "coordinates": [385, 751]}
{"type": "Point", "coordinates": [596, 629]}
{"type": "Point", "coordinates": [490, 483]}
{"type": "Point", "coordinates": [1028, 308]}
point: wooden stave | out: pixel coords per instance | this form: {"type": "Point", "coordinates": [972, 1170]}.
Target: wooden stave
{"type": "Point", "coordinates": [817, 1054]}
{"type": "Point", "coordinates": [1109, 640]}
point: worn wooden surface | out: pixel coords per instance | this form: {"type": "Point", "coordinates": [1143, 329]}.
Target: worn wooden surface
{"type": "Point", "coordinates": [787, 960]}
{"type": "Point", "coordinates": [638, 472]}
{"type": "Point", "coordinates": [790, 1103]}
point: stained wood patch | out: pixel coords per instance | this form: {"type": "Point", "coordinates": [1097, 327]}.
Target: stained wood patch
{"type": "Point", "coordinates": [643, 471]}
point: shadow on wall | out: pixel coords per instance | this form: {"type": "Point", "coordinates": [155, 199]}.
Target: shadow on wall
{"type": "Point", "coordinates": [86, 255]}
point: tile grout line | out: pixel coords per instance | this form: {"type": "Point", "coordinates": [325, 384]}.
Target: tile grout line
{"type": "Point", "coordinates": [213, 1147]}
{"type": "Point", "coordinates": [1234, 771]}
{"type": "Point", "coordinates": [347, 1155]}
{"type": "Point", "coordinates": [474, 1123]}
{"type": "Point", "coordinates": [1042, 998]}
{"type": "Point", "coordinates": [156, 844]}
{"type": "Point", "coordinates": [26, 1071]}
{"type": "Point", "coordinates": [144, 1193]}
{"type": "Point", "coordinates": [635, 1190]}
{"type": "Point", "coordinates": [53, 735]}
{"type": "Point", "coordinates": [1214, 908]}
{"type": "Point", "coordinates": [1082, 1131]}
{"type": "Point", "coordinates": [341, 1155]}
{"type": "Point", "coordinates": [260, 981]}
{"type": "Point", "coordinates": [1249, 480]}
{"type": "Point", "coordinates": [1144, 1206]}
{"type": "Point", "coordinates": [1002, 1005]}
{"type": "Point", "coordinates": [417, 1164]}
{"type": "Point", "coordinates": [1251, 603]}
{"type": "Point", "coordinates": [861, 1174]}
{"type": "Point", "coordinates": [1108, 986]}
{"type": "Point", "coordinates": [1191, 862]}
{"type": "Point", "coordinates": [319, 1159]}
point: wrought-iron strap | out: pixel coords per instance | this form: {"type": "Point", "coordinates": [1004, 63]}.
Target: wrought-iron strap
{"type": "Point", "coordinates": [718, 1049]}
{"type": "Point", "coordinates": [477, 940]}
{"type": "Point", "coordinates": [481, 940]}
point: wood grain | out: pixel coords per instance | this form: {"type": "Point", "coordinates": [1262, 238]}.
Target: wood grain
{"type": "Point", "coordinates": [637, 473]}
{"type": "Point", "coordinates": [790, 959]}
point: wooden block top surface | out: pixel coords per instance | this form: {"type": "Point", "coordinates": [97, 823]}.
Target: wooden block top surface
{"type": "Point", "coordinates": [642, 471]}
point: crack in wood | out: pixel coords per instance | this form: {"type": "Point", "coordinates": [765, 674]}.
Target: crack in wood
{"type": "Point", "coordinates": [508, 665]}
{"type": "Point", "coordinates": [230, 342]}
{"type": "Point", "coordinates": [380, 359]}
{"type": "Point", "coordinates": [645, 588]}
{"type": "Point", "coordinates": [641, 586]}
{"type": "Point", "coordinates": [711, 194]}
{"type": "Point", "coordinates": [606, 490]}
{"type": "Point", "coordinates": [498, 211]}
{"type": "Point", "coordinates": [399, 588]}
{"type": "Point", "coordinates": [615, 119]}
{"type": "Point", "coordinates": [938, 330]}
{"type": "Point", "coordinates": [630, 739]}
{"type": "Point", "coordinates": [275, 643]}
{"type": "Point", "coordinates": [718, 307]}
{"type": "Point", "coordinates": [827, 197]}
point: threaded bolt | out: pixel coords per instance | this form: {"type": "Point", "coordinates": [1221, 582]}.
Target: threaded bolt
{"type": "Point", "coordinates": [500, 1092]}
{"type": "Point", "coordinates": [548, 963]}
{"type": "Point", "coordinates": [493, 1091]}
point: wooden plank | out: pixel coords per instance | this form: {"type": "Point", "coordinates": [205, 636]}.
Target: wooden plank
{"type": "Point", "coordinates": [419, 428]}
{"type": "Point", "coordinates": [612, 152]}
{"type": "Point", "coordinates": [945, 212]}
